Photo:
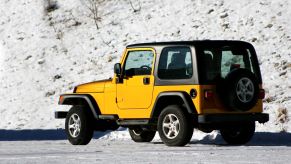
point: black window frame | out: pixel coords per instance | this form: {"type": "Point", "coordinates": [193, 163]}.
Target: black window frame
{"type": "Point", "coordinates": [167, 50]}
{"type": "Point", "coordinates": [133, 50]}
{"type": "Point", "coordinates": [167, 82]}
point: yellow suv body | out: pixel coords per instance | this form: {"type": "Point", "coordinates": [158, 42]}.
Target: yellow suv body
{"type": "Point", "coordinates": [172, 87]}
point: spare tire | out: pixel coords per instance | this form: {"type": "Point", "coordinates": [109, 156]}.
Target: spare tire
{"type": "Point", "coordinates": [239, 90]}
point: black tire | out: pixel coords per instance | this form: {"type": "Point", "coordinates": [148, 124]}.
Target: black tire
{"type": "Point", "coordinates": [239, 99]}
{"type": "Point", "coordinates": [185, 128]}
{"type": "Point", "coordinates": [86, 130]}
{"type": "Point", "coordinates": [140, 135]}
{"type": "Point", "coordinates": [239, 134]}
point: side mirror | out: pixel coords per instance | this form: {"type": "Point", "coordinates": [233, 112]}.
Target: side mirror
{"type": "Point", "coordinates": [117, 69]}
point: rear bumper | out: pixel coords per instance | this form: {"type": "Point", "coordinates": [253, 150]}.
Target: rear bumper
{"type": "Point", "coordinates": [60, 114]}
{"type": "Point", "coordinates": [220, 118]}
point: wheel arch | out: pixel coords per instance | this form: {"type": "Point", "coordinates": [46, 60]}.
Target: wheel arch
{"type": "Point", "coordinates": [81, 99]}
{"type": "Point", "coordinates": [170, 98]}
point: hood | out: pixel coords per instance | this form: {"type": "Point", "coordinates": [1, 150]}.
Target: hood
{"type": "Point", "coordinates": [96, 86]}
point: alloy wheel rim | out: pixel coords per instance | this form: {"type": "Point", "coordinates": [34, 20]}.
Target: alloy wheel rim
{"type": "Point", "coordinates": [171, 126]}
{"type": "Point", "coordinates": [74, 125]}
{"type": "Point", "coordinates": [245, 90]}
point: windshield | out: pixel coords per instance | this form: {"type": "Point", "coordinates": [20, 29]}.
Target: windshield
{"type": "Point", "coordinates": [216, 62]}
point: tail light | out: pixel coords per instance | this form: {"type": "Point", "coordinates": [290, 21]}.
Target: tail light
{"type": "Point", "coordinates": [261, 94]}
{"type": "Point", "coordinates": [208, 94]}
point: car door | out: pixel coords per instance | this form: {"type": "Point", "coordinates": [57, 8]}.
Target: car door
{"type": "Point", "coordinates": [136, 87]}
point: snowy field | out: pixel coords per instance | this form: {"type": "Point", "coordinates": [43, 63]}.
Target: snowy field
{"type": "Point", "coordinates": [44, 54]}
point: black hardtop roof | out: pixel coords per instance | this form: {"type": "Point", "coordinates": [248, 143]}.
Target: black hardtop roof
{"type": "Point", "coordinates": [194, 42]}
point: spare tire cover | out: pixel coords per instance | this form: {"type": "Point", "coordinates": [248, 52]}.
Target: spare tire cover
{"type": "Point", "coordinates": [239, 90]}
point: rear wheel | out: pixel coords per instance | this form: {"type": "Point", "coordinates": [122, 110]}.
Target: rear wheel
{"type": "Point", "coordinates": [174, 126]}
{"type": "Point", "coordinates": [78, 126]}
{"type": "Point", "coordinates": [140, 135]}
{"type": "Point", "coordinates": [240, 134]}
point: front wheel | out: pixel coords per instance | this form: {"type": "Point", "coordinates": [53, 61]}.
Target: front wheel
{"type": "Point", "coordinates": [239, 134]}
{"type": "Point", "coordinates": [174, 126]}
{"type": "Point", "coordinates": [78, 126]}
{"type": "Point", "coordinates": [140, 135]}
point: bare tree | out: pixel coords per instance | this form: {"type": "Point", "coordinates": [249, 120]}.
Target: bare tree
{"type": "Point", "coordinates": [133, 8]}
{"type": "Point", "coordinates": [92, 6]}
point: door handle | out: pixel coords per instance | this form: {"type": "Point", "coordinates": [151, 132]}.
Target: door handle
{"type": "Point", "coordinates": [146, 80]}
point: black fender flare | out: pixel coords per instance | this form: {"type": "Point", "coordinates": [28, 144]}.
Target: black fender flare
{"type": "Point", "coordinates": [186, 98]}
{"type": "Point", "coordinates": [81, 99]}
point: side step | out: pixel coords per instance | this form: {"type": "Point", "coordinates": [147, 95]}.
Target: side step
{"type": "Point", "coordinates": [63, 114]}
{"type": "Point", "coordinates": [108, 117]}
{"type": "Point", "coordinates": [133, 122]}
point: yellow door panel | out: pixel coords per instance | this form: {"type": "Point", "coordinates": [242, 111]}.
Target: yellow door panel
{"type": "Point", "coordinates": [134, 94]}
{"type": "Point", "coordinates": [136, 89]}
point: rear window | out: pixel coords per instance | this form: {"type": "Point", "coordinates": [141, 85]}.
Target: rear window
{"type": "Point", "coordinates": [216, 62]}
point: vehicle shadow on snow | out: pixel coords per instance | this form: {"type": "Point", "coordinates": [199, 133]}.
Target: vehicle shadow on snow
{"type": "Point", "coordinates": [38, 134]}
{"type": "Point", "coordinates": [259, 139]}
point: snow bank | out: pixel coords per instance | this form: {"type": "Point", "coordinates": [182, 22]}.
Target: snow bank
{"type": "Point", "coordinates": [48, 53]}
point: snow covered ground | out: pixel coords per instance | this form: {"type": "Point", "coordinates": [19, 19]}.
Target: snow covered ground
{"type": "Point", "coordinates": [51, 146]}
{"type": "Point", "coordinates": [44, 54]}
{"type": "Point", "coordinates": [107, 151]}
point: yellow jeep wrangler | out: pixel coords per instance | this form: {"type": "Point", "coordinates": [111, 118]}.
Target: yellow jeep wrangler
{"type": "Point", "coordinates": [172, 88]}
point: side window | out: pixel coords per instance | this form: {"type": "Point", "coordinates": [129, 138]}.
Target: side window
{"type": "Point", "coordinates": [139, 63]}
{"type": "Point", "coordinates": [175, 63]}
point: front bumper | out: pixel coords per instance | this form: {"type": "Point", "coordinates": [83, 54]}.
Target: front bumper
{"type": "Point", "coordinates": [220, 118]}
{"type": "Point", "coordinates": [60, 114]}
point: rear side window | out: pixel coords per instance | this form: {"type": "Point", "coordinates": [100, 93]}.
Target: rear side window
{"type": "Point", "coordinates": [175, 63]}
